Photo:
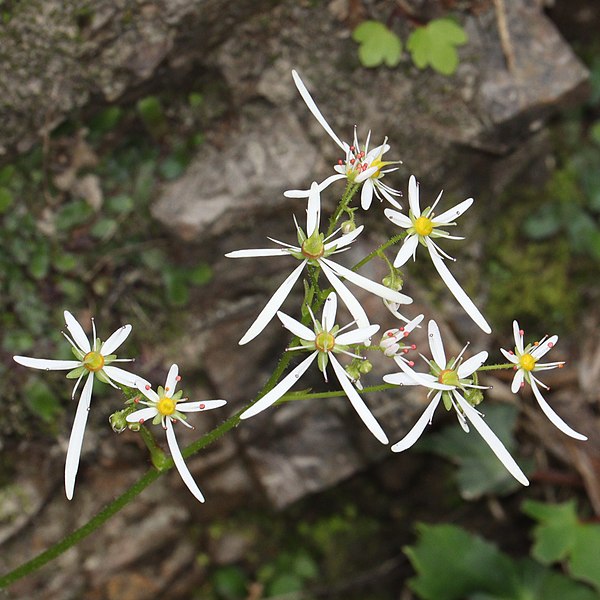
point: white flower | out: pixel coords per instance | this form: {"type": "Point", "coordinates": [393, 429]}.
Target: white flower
{"type": "Point", "coordinates": [359, 166]}
{"type": "Point", "coordinates": [526, 362]}
{"type": "Point", "coordinates": [325, 341]}
{"type": "Point", "coordinates": [313, 248]}
{"type": "Point", "coordinates": [164, 407]}
{"type": "Point", "coordinates": [450, 379]}
{"type": "Point", "coordinates": [424, 227]}
{"type": "Point", "coordinates": [93, 359]}
{"type": "Point", "coordinates": [392, 341]}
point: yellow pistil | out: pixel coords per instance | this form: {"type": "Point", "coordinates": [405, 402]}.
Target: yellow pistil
{"type": "Point", "coordinates": [166, 406]}
{"type": "Point", "coordinates": [93, 361]}
{"type": "Point", "coordinates": [448, 377]}
{"type": "Point", "coordinates": [423, 226]}
{"type": "Point", "coordinates": [324, 342]}
{"type": "Point", "coordinates": [527, 362]}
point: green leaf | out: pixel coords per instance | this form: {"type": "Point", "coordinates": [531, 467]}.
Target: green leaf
{"type": "Point", "coordinates": [104, 228]}
{"type": "Point", "coordinates": [595, 132]}
{"type": "Point", "coordinates": [435, 44]}
{"type": "Point", "coordinates": [377, 44]}
{"type": "Point", "coordinates": [151, 112]}
{"type": "Point", "coordinates": [172, 167]}
{"type": "Point", "coordinates": [230, 583]}
{"type": "Point", "coordinates": [176, 286]}
{"type": "Point", "coordinates": [479, 470]}
{"type": "Point", "coordinates": [73, 214]}
{"type": "Point", "coordinates": [560, 536]}
{"type": "Point", "coordinates": [40, 261]}
{"type": "Point", "coordinates": [285, 583]}
{"type": "Point", "coordinates": [200, 275]}
{"type": "Point", "coordinates": [6, 199]}
{"type": "Point", "coordinates": [543, 223]}
{"type": "Point", "coordinates": [106, 120]}
{"type": "Point", "coordinates": [120, 204]}
{"type": "Point", "coordinates": [42, 401]}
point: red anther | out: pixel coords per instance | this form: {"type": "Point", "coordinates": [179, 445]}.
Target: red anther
{"type": "Point", "coordinates": [405, 350]}
{"type": "Point", "coordinates": [352, 161]}
{"type": "Point", "coordinates": [147, 387]}
{"type": "Point", "coordinates": [351, 148]}
{"type": "Point", "coordinates": [365, 167]}
{"type": "Point", "coordinates": [550, 345]}
{"type": "Point", "coordinates": [401, 329]}
{"type": "Point", "coordinates": [413, 347]}
{"type": "Point", "coordinates": [141, 421]}
{"type": "Point", "coordinates": [522, 384]}
{"type": "Point", "coordinates": [515, 368]}
{"type": "Point", "coordinates": [536, 343]}
{"type": "Point", "coordinates": [202, 406]}
{"type": "Point", "coordinates": [560, 366]}
{"type": "Point", "coordinates": [511, 352]}
{"type": "Point", "coordinates": [362, 153]}
{"type": "Point", "coordinates": [390, 334]}
{"type": "Point", "coordinates": [167, 389]}
{"type": "Point", "coordinates": [521, 332]}
{"type": "Point", "coordinates": [340, 162]}
{"type": "Point", "coordinates": [411, 363]}
{"type": "Point", "coordinates": [178, 378]}
{"type": "Point", "coordinates": [406, 334]}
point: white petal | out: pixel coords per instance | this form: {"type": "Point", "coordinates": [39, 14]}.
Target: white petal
{"type": "Point", "coordinates": [413, 197]}
{"type": "Point", "coordinates": [272, 306]}
{"type": "Point", "coordinates": [296, 194]}
{"type": "Point", "coordinates": [409, 245]}
{"type": "Point", "coordinates": [315, 111]}
{"type": "Point", "coordinates": [280, 389]}
{"type": "Point", "coordinates": [457, 291]}
{"type": "Point", "coordinates": [453, 213]}
{"type": "Point", "coordinates": [327, 182]}
{"type": "Point", "coordinates": [424, 379]}
{"type": "Point", "coordinates": [313, 210]}
{"type": "Point", "coordinates": [436, 345]}
{"type": "Point", "coordinates": [253, 253]}
{"type": "Point", "coordinates": [121, 376]}
{"type": "Point", "coordinates": [357, 402]}
{"type": "Point", "coordinates": [364, 176]}
{"type": "Point", "coordinates": [47, 364]}
{"type": "Point", "coordinates": [518, 337]}
{"type": "Point", "coordinates": [413, 324]}
{"type": "Point", "coordinates": [419, 427]}
{"type": "Point", "coordinates": [200, 406]}
{"type": "Point", "coordinates": [397, 218]}
{"type": "Point", "coordinates": [352, 304]}
{"type": "Point", "coordinates": [77, 332]}
{"type": "Point", "coordinates": [491, 439]}
{"type": "Point", "coordinates": [329, 312]}
{"type": "Point", "coordinates": [76, 439]}
{"type": "Point", "coordinates": [517, 381]}
{"type": "Point", "coordinates": [366, 195]}
{"type": "Point", "coordinates": [115, 340]}
{"type": "Point", "coordinates": [554, 418]}
{"type": "Point", "coordinates": [471, 365]}
{"type": "Point", "coordinates": [356, 336]}
{"type": "Point", "coordinates": [367, 284]}
{"type": "Point", "coordinates": [180, 463]}
{"type": "Point", "coordinates": [146, 389]}
{"type": "Point", "coordinates": [297, 328]}
{"type": "Point", "coordinates": [511, 357]}
{"type": "Point", "coordinates": [144, 414]}
{"type": "Point", "coordinates": [344, 240]}
{"type": "Point", "coordinates": [400, 379]}
{"type": "Point", "coordinates": [171, 382]}
{"type": "Point", "coordinates": [545, 347]}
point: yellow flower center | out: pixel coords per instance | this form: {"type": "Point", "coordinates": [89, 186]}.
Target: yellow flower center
{"type": "Point", "coordinates": [93, 361]}
{"type": "Point", "coordinates": [324, 342]}
{"type": "Point", "coordinates": [166, 406]}
{"type": "Point", "coordinates": [527, 362]}
{"type": "Point", "coordinates": [448, 377]}
{"type": "Point", "coordinates": [423, 226]}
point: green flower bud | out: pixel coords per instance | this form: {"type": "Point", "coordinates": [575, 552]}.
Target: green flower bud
{"type": "Point", "coordinates": [348, 226]}
{"type": "Point", "coordinates": [365, 367]}
{"type": "Point", "coordinates": [118, 421]}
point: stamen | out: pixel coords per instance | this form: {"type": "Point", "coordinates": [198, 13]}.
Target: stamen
{"type": "Point", "coordinates": [178, 378]}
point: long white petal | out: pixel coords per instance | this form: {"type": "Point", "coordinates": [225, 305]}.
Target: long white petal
{"type": "Point", "coordinates": [471, 364]}
{"type": "Point", "coordinates": [76, 330]}
{"type": "Point", "coordinates": [409, 245]}
{"type": "Point", "coordinates": [453, 213]}
{"type": "Point", "coordinates": [352, 304]}
{"type": "Point", "coordinates": [366, 195]}
{"type": "Point", "coordinates": [344, 240]}
{"type": "Point", "coordinates": [280, 389]}
{"type": "Point", "coordinates": [297, 328]}
{"type": "Point", "coordinates": [144, 414]}
{"type": "Point", "coordinates": [517, 381]}
{"type": "Point", "coordinates": [356, 336]}
{"type": "Point", "coordinates": [397, 218]}
{"type": "Point", "coordinates": [413, 197]}
{"type": "Point", "coordinates": [457, 291]}
{"type": "Point", "coordinates": [518, 337]}
{"type": "Point", "coordinates": [76, 439]}
{"type": "Point", "coordinates": [419, 427]}
{"type": "Point", "coordinates": [323, 185]}
{"type": "Point", "coordinates": [545, 347]}
{"type": "Point", "coordinates": [253, 253]}
{"type": "Point", "coordinates": [313, 210]}
{"type": "Point", "coordinates": [357, 402]}
{"type": "Point", "coordinates": [329, 312]}
{"type": "Point", "coordinates": [180, 463]}
{"type": "Point", "coordinates": [146, 389]}
{"type": "Point", "coordinates": [554, 418]}
{"type": "Point", "coordinates": [171, 382]}
{"type": "Point", "coordinates": [436, 345]}
{"type": "Point", "coordinates": [511, 357]}
{"type": "Point", "coordinates": [121, 376]}
{"type": "Point", "coordinates": [491, 439]}
{"type": "Point", "coordinates": [115, 340]}
{"type": "Point", "coordinates": [315, 110]}
{"type": "Point", "coordinates": [425, 379]}
{"type": "Point", "coordinates": [367, 284]}
{"type": "Point", "coordinates": [400, 379]}
{"type": "Point", "coordinates": [47, 364]}
{"type": "Point", "coordinates": [200, 406]}
{"type": "Point", "coordinates": [272, 306]}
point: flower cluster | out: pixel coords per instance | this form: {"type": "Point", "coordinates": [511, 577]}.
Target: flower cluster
{"type": "Point", "coordinates": [319, 251]}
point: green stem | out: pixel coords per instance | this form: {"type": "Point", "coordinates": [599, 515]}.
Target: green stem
{"type": "Point", "coordinates": [372, 255]}
{"type": "Point", "coordinates": [291, 396]}
{"type": "Point", "coordinates": [349, 192]}
{"type": "Point", "coordinates": [157, 456]}
{"type": "Point", "coordinates": [496, 367]}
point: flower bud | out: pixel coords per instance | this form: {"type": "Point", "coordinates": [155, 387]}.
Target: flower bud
{"type": "Point", "coordinates": [118, 421]}
{"type": "Point", "coordinates": [348, 226]}
{"type": "Point", "coordinates": [473, 396]}
{"type": "Point", "coordinates": [365, 367]}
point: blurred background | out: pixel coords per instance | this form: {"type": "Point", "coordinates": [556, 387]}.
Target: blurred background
{"type": "Point", "coordinates": [141, 141]}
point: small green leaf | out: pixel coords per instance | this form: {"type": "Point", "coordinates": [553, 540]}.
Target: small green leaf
{"type": "Point", "coordinates": [176, 286]}
{"type": "Point", "coordinates": [120, 204]}
{"type": "Point", "coordinates": [73, 214]}
{"type": "Point", "coordinates": [230, 583]}
{"type": "Point", "coordinates": [195, 99]}
{"type": "Point", "coordinates": [151, 112]}
{"type": "Point", "coordinates": [104, 228]}
{"type": "Point", "coordinates": [435, 44]}
{"type": "Point", "coordinates": [42, 401]}
{"type": "Point", "coordinates": [543, 223]}
{"type": "Point", "coordinates": [200, 275]}
{"type": "Point", "coordinates": [40, 262]}
{"type": "Point", "coordinates": [6, 199]}
{"type": "Point", "coordinates": [285, 583]}
{"type": "Point", "coordinates": [378, 45]}
{"type": "Point", "coordinates": [595, 132]}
